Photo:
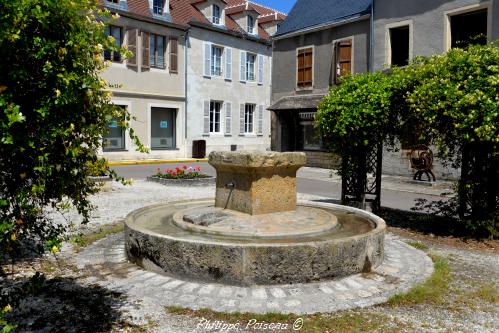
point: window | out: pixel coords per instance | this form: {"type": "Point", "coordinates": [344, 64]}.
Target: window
{"type": "Point", "coordinates": [343, 59]}
{"type": "Point", "coordinates": [114, 1]}
{"type": "Point", "coordinates": [115, 137]}
{"type": "Point", "coordinates": [156, 51]}
{"type": "Point", "coordinates": [250, 67]}
{"type": "Point", "coordinates": [311, 137]}
{"type": "Point", "coordinates": [157, 6]}
{"type": "Point", "coordinates": [305, 65]}
{"type": "Point", "coordinates": [162, 128]}
{"type": "Point", "coordinates": [215, 115]}
{"type": "Point", "coordinates": [469, 28]}
{"type": "Point", "coordinates": [117, 33]}
{"type": "Point", "coordinates": [217, 13]}
{"type": "Point", "coordinates": [249, 112]}
{"type": "Point", "coordinates": [399, 41]}
{"type": "Point", "coordinates": [251, 25]}
{"type": "Point", "coordinates": [216, 61]}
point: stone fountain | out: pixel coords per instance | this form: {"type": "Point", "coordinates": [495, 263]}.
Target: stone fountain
{"type": "Point", "coordinates": [255, 232]}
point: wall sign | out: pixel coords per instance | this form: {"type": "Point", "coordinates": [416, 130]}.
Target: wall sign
{"type": "Point", "coordinates": [163, 124]}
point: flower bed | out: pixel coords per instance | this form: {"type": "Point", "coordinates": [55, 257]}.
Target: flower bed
{"type": "Point", "coordinates": [184, 176]}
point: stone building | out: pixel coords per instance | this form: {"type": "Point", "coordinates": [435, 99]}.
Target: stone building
{"type": "Point", "coordinates": [313, 48]}
{"type": "Point", "coordinates": [319, 43]}
{"type": "Point", "coordinates": [200, 72]}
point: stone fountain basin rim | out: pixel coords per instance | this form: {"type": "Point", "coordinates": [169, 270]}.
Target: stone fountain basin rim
{"type": "Point", "coordinates": [380, 225]}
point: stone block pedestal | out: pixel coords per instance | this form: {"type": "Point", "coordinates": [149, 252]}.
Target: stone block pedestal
{"type": "Point", "coordinates": [256, 182]}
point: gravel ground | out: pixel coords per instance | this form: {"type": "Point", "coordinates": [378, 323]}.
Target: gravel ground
{"type": "Point", "coordinates": [48, 311]}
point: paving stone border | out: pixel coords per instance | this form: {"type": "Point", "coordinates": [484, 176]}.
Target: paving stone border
{"type": "Point", "coordinates": [184, 182]}
{"type": "Point", "coordinates": [105, 263]}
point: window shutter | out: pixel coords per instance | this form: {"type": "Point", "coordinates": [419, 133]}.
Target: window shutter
{"type": "Point", "coordinates": [242, 70]}
{"type": "Point", "coordinates": [241, 118]}
{"type": "Point", "coordinates": [343, 58]}
{"type": "Point", "coordinates": [206, 124]}
{"type": "Point", "coordinates": [173, 55]}
{"type": "Point", "coordinates": [145, 49]}
{"type": "Point", "coordinates": [207, 60]}
{"type": "Point", "coordinates": [228, 118]}
{"type": "Point", "coordinates": [260, 68]}
{"type": "Point", "coordinates": [260, 120]}
{"type": "Point", "coordinates": [305, 68]}
{"type": "Point", "coordinates": [132, 46]}
{"type": "Point", "coordinates": [228, 63]}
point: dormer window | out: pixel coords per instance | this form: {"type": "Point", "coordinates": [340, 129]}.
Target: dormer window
{"type": "Point", "coordinates": [114, 1]}
{"type": "Point", "coordinates": [251, 24]}
{"type": "Point", "coordinates": [158, 6]}
{"type": "Point", "coordinates": [217, 14]}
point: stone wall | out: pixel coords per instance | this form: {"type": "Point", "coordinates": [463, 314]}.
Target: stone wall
{"type": "Point", "coordinates": [320, 159]}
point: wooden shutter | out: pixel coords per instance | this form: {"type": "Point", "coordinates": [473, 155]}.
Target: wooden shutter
{"type": "Point", "coordinates": [145, 49]}
{"type": "Point", "coordinates": [260, 68]}
{"type": "Point", "coordinates": [173, 55]}
{"type": "Point", "coordinates": [241, 118]}
{"type": "Point", "coordinates": [305, 68]}
{"type": "Point", "coordinates": [228, 63]}
{"type": "Point", "coordinates": [242, 66]}
{"type": "Point", "coordinates": [260, 120]}
{"type": "Point", "coordinates": [228, 118]}
{"type": "Point", "coordinates": [343, 58]}
{"type": "Point", "coordinates": [207, 59]}
{"type": "Point", "coordinates": [132, 34]}
{"type": "Point", "coordinates": [206, 118]}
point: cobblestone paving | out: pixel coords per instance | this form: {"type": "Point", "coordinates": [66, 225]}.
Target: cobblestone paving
{"type": "Point", "coordinates": [105, 263]}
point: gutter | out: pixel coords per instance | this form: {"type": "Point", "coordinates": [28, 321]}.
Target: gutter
{"type": "Point", "coordinates": [324, 26]}
{"type": "Point", "coordinates": [372, 42]}
{"type": "Point", "coordinates": [186, 50]}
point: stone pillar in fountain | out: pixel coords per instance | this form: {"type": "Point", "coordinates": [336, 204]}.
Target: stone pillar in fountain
{"type": "Point", "coordinates": [256, 182]}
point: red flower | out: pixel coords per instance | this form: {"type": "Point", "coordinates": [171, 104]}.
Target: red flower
{"type": "Point", "coordinates": [176, 168]}
{"type": "Point", "coordinates": [174, 174]}
{"type": "Point", "coordinates": [198, 168]}
{"type": "Point", "coordinates": [184, 167]}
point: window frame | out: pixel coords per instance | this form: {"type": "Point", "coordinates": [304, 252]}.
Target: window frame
{"type": "Point", "coordinates": [388, 39]}
{"type": "Point", "coordinates": [217, 20]}
{"type": "Point", "coordinates": [213, 58]}
{"type": "Point", "coordinates": [123, 132]}
{"type": "Point", "coordinates": [248, 66]}
{"type": "Point", "coordinates": [304, 85]}
{"type": "Point", "coordinates": [213, 117]}
{"type": "Point", "coordinates": [465, 10]}
{"type": "Point", "coordinates": [158, 9]}
{"type": "Point", "coordinates": [252, 25]}
{"type": "Point", "coordinates": [153, 52]}
{"type": "Point", "coordinates": [249, 118]}
{"type": "Point", "coordinates": [113, 55]}
{"type": "Point", "coordinates": [337, 60]}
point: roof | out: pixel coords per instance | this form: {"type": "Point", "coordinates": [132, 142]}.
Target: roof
{"type": "Point", "coordinates": [305, 102]}
{"type": "Point", "coordinates": [304, 15]}
{"type": "Point", "coordinates": [184, 12]}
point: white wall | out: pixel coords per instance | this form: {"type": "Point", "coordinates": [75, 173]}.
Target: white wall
{"type": "Point", "coordinates": [201, 88]}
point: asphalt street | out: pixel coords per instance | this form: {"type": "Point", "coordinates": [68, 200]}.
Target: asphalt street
{"type": "Point", "coordinates": [332, 190]}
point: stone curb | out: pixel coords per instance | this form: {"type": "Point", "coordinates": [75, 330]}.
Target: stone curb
{"type": "Point", "coordinates": [105, 263]}
{"type": "Point", "coordinates": [183, 182]}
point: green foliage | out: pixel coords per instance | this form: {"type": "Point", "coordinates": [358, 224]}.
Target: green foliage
{"type": "Point", "coordinates": [98, 168]}
{"type": "Point", "coordinates": [451, 100]}
{"type": "Point", "coordinates": [55, 110]}
{"type": "Point", "coordinates": [457, 96]}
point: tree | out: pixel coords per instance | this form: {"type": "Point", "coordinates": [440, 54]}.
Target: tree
{"type": "Point", "coordinates": [55, 111]}
{"type": "Point", "coordinates": [453, 100]}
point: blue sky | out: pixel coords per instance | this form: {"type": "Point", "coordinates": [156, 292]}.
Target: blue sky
{"type": "Point", "coordinates": [281, 5]}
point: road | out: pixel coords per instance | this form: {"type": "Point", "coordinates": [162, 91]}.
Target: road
{"type": "Point", "coordinates": [389, 197]}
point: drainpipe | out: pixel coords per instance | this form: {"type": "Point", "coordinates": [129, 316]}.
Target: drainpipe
{"type": "Point", "coordinates": [186, 48]}
{"type": "Point", "coordinates": [371, 46]}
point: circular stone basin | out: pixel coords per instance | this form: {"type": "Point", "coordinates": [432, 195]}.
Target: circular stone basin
{"type": "Point", "coordinates": [305, 221]}
{"type": "Point", "coordinates": [165, 238]}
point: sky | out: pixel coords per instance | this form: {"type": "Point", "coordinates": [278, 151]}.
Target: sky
{"type": "Point", "coordinates": [281, 5]}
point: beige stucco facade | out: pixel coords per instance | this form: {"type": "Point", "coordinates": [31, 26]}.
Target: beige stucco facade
{"type": "Point", "coordinates": [140, 89]}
